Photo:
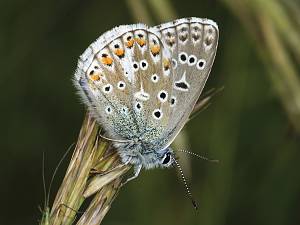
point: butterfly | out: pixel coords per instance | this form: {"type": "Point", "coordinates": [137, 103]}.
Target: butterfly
{"type": "Point", "coordinates": [141, 84]}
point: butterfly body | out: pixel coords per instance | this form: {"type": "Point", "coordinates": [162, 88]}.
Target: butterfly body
{"type": "Point", "coordinates": [142, 83]}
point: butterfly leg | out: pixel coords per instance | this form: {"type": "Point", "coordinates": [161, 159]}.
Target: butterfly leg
{"type": "Point", "coordinates": [137, 170]}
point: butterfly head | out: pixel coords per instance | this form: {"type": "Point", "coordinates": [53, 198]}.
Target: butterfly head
{"type": "Point", "coordinates": [166, 157]}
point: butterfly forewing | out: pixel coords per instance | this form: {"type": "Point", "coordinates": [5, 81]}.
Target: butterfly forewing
{"type": "Point", "coordinates": [193, 44]}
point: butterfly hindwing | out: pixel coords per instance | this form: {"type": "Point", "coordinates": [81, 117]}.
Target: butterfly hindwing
{"type": "Point", "coordinates": [125, 78]}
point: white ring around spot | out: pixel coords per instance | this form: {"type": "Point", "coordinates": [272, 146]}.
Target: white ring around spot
{"type": "Point", "coordinates": [157, 110]}
{"type": "Point", "coordinates": [145, 67]}
{"type": "Point", "coordinates": [136, 106]}
{"type": "Point", "coordinates": [195, 60]}
{"type": "Point", "coordinates": [162, 99]}
{"type": "Point", "coordinates": [107, 86]}
{"type": "Point", "coordinates": [154, 78]}
{"type": "Point", "coordinates": [137, 66]}
{"type": "Point", "coordinates": [182, 54]}
{"type": "Point", "coordinates": [120, 83]}
{"type": "Point", "coordinates": [108, 110]}
{"type": "Point", "coordinates": [175, 100]}
{"type": "Point", "coordinates": [203, 64]}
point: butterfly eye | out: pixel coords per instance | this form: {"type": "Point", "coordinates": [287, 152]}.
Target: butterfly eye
{"type": "Point", "coordinates": [167, 158]}
{"type": "Point", "coordinates": [201, 64]}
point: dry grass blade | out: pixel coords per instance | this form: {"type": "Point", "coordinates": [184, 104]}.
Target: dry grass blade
{"type": "Point", "coordinates": [91, 159]}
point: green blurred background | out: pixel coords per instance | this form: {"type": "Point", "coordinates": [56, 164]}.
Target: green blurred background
{"type": "Point", "coordinates": [252, 127]}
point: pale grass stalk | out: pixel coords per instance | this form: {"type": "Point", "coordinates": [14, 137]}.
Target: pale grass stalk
{"type": "Point", "coordinates": [93, 159]}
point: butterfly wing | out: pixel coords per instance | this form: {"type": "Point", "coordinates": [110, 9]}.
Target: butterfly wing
{"type": "Point", "coordinates": [121, 77]}
{"type": "Point", "coordinates": [193, 44]}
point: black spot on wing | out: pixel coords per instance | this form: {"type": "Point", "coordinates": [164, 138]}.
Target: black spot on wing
{"type": "Point", "coordinates": [181, 85]}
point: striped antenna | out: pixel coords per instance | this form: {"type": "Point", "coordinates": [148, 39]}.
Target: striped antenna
{"type": "Point", "coordinates": [199, 156]}
{"type": "Point", "coordinates": [185, 184]}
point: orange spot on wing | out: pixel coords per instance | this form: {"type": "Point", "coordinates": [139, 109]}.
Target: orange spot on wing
{"type": "Point", "coordinates": [95, 77]}
{"type": "Point", "coordinates": [155, 49]}
{"type": "Point", "coordinates": [130, 43]}
{"type": "Point", "coordinates": [166, 64]}
{"type": "Point", "coordinates": [119, 52]}
{"type": "Point", "coordinates": [107, 60]}
{"type": "Point", "coordinates": [140, 41]}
